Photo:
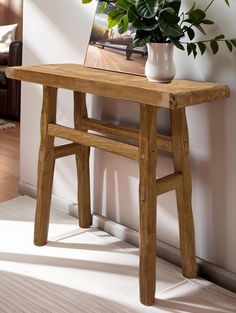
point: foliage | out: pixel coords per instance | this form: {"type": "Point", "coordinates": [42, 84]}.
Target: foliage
{"type": "Point", "coordinates": [162, 21]}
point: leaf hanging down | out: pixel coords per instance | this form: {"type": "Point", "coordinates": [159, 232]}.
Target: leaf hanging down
{"type": "Point", "coordinates": [227, 2]}
{"type": "Point", "coordinates": [202, 47]}
{"type": "Point", "coordinates": [229, 45]}
{"type": "Point", "coordinates": [214, 46]}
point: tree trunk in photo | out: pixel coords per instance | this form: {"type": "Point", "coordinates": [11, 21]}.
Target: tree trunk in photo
{"type": "Point", "coordinates": [11, 12]}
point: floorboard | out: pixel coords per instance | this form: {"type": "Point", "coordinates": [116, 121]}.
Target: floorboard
{"type": "Point", "coordinates": [9, 162]}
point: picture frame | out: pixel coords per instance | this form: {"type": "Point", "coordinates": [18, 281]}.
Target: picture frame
{"type": "Point", "coordinates": [109, 50]}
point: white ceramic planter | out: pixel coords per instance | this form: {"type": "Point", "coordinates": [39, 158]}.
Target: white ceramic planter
{"type": "Point", "coordinates": [160, 66]}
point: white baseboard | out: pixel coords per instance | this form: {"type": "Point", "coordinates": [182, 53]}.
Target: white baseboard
{"type": "Point", "coordinates": [167, 252]}
{"type": "Point", "coordinates": [125, 233]}
{"type": "Point", "coordinates": [57, 202]}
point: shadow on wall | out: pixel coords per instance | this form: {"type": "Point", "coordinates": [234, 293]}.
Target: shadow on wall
{"type": "Point", "coordinates": [208, 163]}
{"type": "Point", "coordinates": [115, 184]}
{"type": "Point", "coordinates": [212, 146]}
{"type": "Point", "coordinates": [212, 149]}
{"type": "Point", "coordinates": [210, 127]}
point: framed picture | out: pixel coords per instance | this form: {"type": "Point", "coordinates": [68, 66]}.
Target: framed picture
{"type": "Point", "coordinates": [109, 50]}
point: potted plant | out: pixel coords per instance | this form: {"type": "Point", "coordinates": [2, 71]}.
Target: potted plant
{"type": "Point", "coordinates": [161, 25]}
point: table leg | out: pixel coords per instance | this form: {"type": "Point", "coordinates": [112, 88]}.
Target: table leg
{"type": "Point", "coordinates": [82, 163]}
{"type": "Point", "coordinates": [147, 202]}
{"type": "Point", "coordinates": [45, 167]}
{"type": "Point", "coordinates": [184, 192]}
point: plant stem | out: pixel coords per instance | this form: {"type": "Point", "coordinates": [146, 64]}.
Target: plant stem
{"type": "Point", "coordinates": [208, 40]}
{"type": "Point", "coordinates": [209, 5]}
{"type": "Point", "coordinates": [204, 11]}
{"type": "Point", "coordinates": [158, 16]}
{"type": "Point", "coordinates": [181, 15]}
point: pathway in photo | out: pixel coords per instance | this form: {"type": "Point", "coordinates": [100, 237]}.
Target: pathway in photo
{"type": "Point", "coordinates": [114, 60]}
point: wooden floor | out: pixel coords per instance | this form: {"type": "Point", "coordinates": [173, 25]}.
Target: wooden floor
{"type": "Point", "coordinates": [9, 162]}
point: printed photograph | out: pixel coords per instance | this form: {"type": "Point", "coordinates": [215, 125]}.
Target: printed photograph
{"type": "Point", "coordinates": [112, 51]}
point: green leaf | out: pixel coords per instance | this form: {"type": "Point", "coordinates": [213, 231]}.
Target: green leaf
{"type": "Point", "coordinates": [102, 7]}
{"type": "Point", "coordinates": [229, 45]}
{"type": "Point", "coordinates": [214, 46]}
{"type": "Point", "coordinates": [191, 48]}
{"type": "Point", "coordinates": [168, 24]}
{"type": "Point", "coordinates": [197, 16]}
{"type": "Point", "coordinates": [147, 8]}
{"type": "Point", "coordinates": [233, 41]}
{"type": "Point", "coordinates": [145, 24]}
{"type": "Point", "coordinates": [194, 53]}
{"type": "Point", "coordinates": [220, 37]}
{"type": "Point", "coordinates": [200, 29]}
{"type": "Point", "coordinates": [123, 25]}
{"type": "Point", "coordinates": [157, 35]}
{"type": "Point", "coordinates": [123, 4]}
{"type": "Point", "coordinates": [169, 17]}
{"type": "Point", "coordinates": [227, 2]}
{"type": "Point", "coordinates": [170, 30]}
{"type": "Point", "coordinates": [86, 1]}
{"type": "Point", "coordinates": [191, 33]}
{"type": "Point", "coordinates": [114, 18]}
{"type": "Point", "coordinates": [174, 4]}
{"type": "Point", "coordinates": [208, 22]}
{"type": "Point", "coordinates": [202, 47]}
{"type": "Point", "coordinates": [132, 13]}
{"type": "Point", "coordinates": [141, 38]}
{"type": "Point", "coordinates": [177, 44]}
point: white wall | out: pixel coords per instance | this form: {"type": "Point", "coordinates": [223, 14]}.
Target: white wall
{"type": "Point", "coordinates": [58, 31]}
{"type": "Point", "coordinates": [54, 32]}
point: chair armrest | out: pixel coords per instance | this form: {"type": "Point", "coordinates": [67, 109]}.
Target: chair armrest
{"type": "Point", "coordinates": [14, 86]}
{"type": "Point", "coordinates": [15, 54]}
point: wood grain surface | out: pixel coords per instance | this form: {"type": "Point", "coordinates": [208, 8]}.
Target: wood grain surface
{"type": "Point", "coordinates": [46, 162]}
{"type": "Point", "coordinates": [179, 93]}
{"type": "Point", "coordinates": [184, 192]}
{"type": "Point", "coordinates": [82, 164]}
{"type": "Point", "coordinates": [174, 96]}
{"type": "Point", "coordinates": [147, 203]}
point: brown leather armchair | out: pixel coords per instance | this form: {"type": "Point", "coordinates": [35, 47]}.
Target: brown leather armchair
{"type": "Point", "coordinates": [10, 89]}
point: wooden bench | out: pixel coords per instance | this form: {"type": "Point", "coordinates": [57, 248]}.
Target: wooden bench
{"type": "Point", "coordinates": [150, 96]}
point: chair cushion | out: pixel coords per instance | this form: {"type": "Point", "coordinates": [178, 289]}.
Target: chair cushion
{"type": "Point", "coordinates": [7, 35]}
{"type": "Point", "coordinates": [3, 58]}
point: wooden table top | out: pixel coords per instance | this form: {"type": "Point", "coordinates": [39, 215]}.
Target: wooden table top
{"type": "Point", "coordinates": [179, 93]}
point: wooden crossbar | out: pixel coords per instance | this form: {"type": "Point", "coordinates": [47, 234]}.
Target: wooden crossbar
{"type": "Point", "coordinates": [65, 150]}
{"type": "Point", "coordinates": [91, 140]}
{"type": "Point", "coordinates": [168, 183]}
{"type": "Point", "coordinates": [163, 142]}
